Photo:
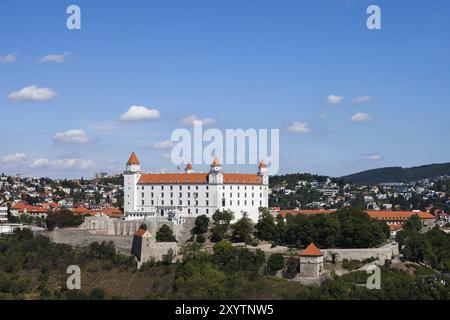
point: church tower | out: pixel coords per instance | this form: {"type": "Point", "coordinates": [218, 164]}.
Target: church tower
{"type": "Point", "coordinates": [131, 177]}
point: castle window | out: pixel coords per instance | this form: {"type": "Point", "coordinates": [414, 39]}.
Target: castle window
{"type": "Point", "coordinates": [181, 195]}
{"type": "Point", "coordinates": [180, 187]}
{"type": "Point", "coordinates": [231, 202]}
{"type": "Point", "coordinates": [171, 187]}
{"type": "Point", "coordinates": [196, 187]}
{"type": "Point", "coordinates": [207, 187]}
{"type": "Point", "coordinates": [207, 194]}
{"type": "Point", "coordinates": [162, 187]}
{"type": "Point", "coordinates": [142, 202]}
{"type": "Point", "coordinates": [181, 202]}
{"type": "Point", "coordinates": [207, 202]}
{"type": "Point", "coordinates": [162, 202]}
{"type": "Point", "coordinates": [207, 211]}
{"type": "Point", "coordinates": [196, 210]}
{"type": "Point", "coordinates": [189, 211]}
{"type": "Point", "coordinates": [142, 194]}
{"type": "Point", "coordinates": [153, 202]}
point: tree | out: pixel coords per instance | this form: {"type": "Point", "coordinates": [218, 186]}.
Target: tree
{"type": "Point", "coordinates": [243, 230]}
{"type": "Point", "coordinates": [291, 268]}
{"type": "Point", "coordinates": [63, 219]}
{"type": "Point", "coordinates": [201, 224]}
{"type": "Point", "coordinates": [223, 217]}
{"type": "Point", "coordinates": [165, 234]}
{"type": "Point", "coordinates": [143, 226]}
{"type": "Point", "coordinates": [414, 223]}
{"type": "Point", "coordinates": [275, 263]}
{"type": "Point", "coordinates": [222, 221]}
{"type": "Point", "coordinates": [266, 226]}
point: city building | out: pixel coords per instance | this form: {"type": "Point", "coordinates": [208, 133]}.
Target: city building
{"type": "Point", "coordinates": [178, 195]}
{"type": "Point", "coordinates": [3, 215]}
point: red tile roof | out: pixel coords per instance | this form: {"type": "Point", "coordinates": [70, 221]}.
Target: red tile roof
{"type": "Point", "coordinates": [196, 178]}
{"type": "Point", "coordinates": [398, 215]}
{"type": "Point", "coordinates": [133, 159]}
{"type": "Point", "coordinates": [284, 213]}
{"type": "Point", "coordinates": [395, 227]}
{"type": "Point", "coordinates": [140, 232]}
{"type": "Point", "coordinates": [311, 251]}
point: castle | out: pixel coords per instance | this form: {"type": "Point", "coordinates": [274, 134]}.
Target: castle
{"type": "Point", "coordinates": [178, 195]}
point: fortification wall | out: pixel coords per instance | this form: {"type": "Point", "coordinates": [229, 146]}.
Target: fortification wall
{"type": "Point", "coordinates": [82, 238]}
{"type": "Point", "coordinates": [387, 252]}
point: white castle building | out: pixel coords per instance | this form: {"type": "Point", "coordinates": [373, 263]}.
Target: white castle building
{"type": "Point", "coordinates": [189, 194]}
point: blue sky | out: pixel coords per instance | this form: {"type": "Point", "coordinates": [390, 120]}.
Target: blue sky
{"type": "Point", "coordinates": [244, 64]}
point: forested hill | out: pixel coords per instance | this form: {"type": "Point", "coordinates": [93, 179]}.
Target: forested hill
{"type": "Point", "coordinates": [398, 174]}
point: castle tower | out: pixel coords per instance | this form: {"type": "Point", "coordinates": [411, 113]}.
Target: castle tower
{"type": "Point", "coordinates": [263, 173]}
{"type": "Point", "coordinates": [188, 168]}
{"type": "Point", "coordinates": [131, 177]}
{"type": "Point", "coordinates": [216, 172]}
{"type": "Point", "coordinates": [311, 262]}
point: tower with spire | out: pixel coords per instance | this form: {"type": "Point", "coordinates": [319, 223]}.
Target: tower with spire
{"type": "Point", "coordinates": [263, 173]}
{"type": "Point", "coordinates": [216, 172]}
{"type": "Point", "coordinates": [131, 176]}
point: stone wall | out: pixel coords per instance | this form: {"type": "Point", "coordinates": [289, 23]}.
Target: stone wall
{"type": "Point", "coordinates": [387, 252]}
{"type": "Point", "coordinates": [82, 238]}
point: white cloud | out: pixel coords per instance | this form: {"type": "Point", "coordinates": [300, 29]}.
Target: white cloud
{"type": "Point", "coordinates": [32, 93]}
{"type": "Point", "coordinates": [372, 156]}
{"type": "Point", "coordinates": [70, 163]}
{"type": "Point", "coordinates": [361, 117]}
{"type": "Point", "coordinates": [73, 136]}
{"type": "Point", "coordinates": [9, 58]}
{"type": "Point", "coordinates": [139, 113]}
{"type": "Point", "coordinates": [323, 115]}
{"type": "Point", "coordinates": [362, 99]}
{"type": "Point", "coordinates": [166, 155]}
{"type": "Point", "coordinates": [14, 158]}
{"type": "Point", "coordinates": [298, 127]}
{"type": "Point", "coordinates": [56, 58]}
{"type": "Point", "coordinates": [189, 121]}
{"type": "Point", "coordinates": [333, 99]}
{"type": "Point", "coordinates": [164, 144]}
{"type": "Point", "coordinates": [40, 163]}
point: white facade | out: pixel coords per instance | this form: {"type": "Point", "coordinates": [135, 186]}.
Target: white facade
{"type": "Point", "coordinates": [3, 214]}
{"type": "Point", "coordinates": [189, 194]}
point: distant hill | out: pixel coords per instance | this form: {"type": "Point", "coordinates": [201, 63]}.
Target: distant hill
{"type": "Point", "coordinates": [398, 174]}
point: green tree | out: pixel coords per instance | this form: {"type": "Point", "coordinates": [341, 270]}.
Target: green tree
{"type": "Point", "coordinates": [201, 224]}
{"type": "Point", "coordinates": [266, 228]}
{"type": "Point", "coordinates": [165, 234]}
{"type": "Point", "coordinates": [275, 263]}
{"type": "Point", "coordinates": [243, 230]}
{"type": "Point", "coordinates": [414, 223]}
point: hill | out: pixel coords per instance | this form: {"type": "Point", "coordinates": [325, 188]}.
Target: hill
{"type": "Point", "coordinates": [398, 174]}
